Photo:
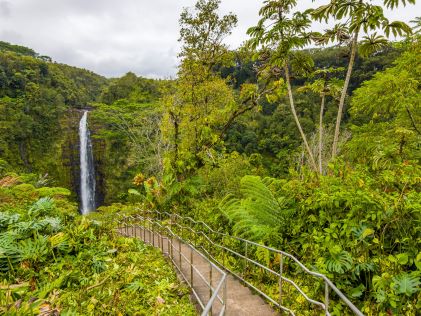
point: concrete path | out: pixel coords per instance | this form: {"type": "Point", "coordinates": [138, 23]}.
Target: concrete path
{"type": "Point", "coordinates": [240, 301]}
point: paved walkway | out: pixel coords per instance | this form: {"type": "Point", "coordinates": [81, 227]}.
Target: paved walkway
{"type": "Point", "coordinates": [240, 300]}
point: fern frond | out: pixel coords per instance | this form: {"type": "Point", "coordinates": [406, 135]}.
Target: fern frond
{"type": "Point", "coordinates": [259, 215]}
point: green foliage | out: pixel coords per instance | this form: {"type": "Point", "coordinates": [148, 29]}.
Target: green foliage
{"type": "Point", "coordinates": [21, 50]}
{"type": "Point", "coordinates": [352, 226]}
{"type": "Point", "coordinates": [132, 88]}
{"type": "Point", "coordinates": [133, 128]}
{"type": "Point", "coordinates": [37, 98]}
{"type": "Point", "coordinates": [202, 106]}
{"type": "Point", "coordinates": [407, 283]}
{"type": "Point", "coordinates": [388, 110]}
{"type": "Point", "coordinates": [371, 44]}
{"type": "Point", "coordinates": [205, 145]}
{"type": "Point", "coordinates": [259, 215]}
{"type": "Point", "coordinates": [53, 260]}
{"type": "Point", "coordinates": [339, 261]}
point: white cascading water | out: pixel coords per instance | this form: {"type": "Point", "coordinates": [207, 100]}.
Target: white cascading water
{"type": "Point", "coordinates": [87, 172]}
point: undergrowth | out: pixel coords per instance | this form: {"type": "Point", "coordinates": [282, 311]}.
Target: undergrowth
{"type": "Point", "coordinates": [55, 262]}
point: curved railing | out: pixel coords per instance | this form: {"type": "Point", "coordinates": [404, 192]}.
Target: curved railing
{"type": "Point", "coordinates": [200, 236]}
{"type": "Point", "coordinates": [161, 236]}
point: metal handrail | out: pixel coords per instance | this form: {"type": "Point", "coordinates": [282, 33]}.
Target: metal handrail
{"type": "Point", "coordinates": [129, 228]}
{"type": "Point", "coordinates": [174, 222]}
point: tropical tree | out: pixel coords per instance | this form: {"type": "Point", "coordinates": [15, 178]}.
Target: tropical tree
{"type": "Point", "coordinates": [202, 105]}
{"type": "Point", "coordinates": [361, 16]}
{"type": "Point", "coordinates": [200, 98]}
{"type": "Point", "coordinates": [279, 33]}
{"type": "Point", "coordinates": [390, 106]}
{"type": "Point", "coordinates": [325, 86]}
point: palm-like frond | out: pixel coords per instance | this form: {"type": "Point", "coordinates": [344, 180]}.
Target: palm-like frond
{"type": "Point", "coordinates": [343, 9]}
{"type": "Point", "coordinates": [324, 12]}
{"type": "Point", "coordinates": [391, 4]}
{"type": "Point", "coordinates": [59, 241]}
{"type": "Point", "coordinates": [339, 33]}
{"type": "Point", "coordinates": [334, 87]}
{"type": "Point", "coordinates": [417, 25]}
{"type": "Point", "coordinates": [302, 64]}
{"type": "Point", "coordinates": [397, 28]}
{"type": "Point", "coordinates": [135, 286]}
{"type": "Point", "coordinates": [324, 85]}
{"type": "Point", "coordinates": [372, 44]}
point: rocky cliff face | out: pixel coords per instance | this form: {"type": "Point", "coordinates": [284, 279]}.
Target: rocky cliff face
{"type": "Point", "coordinates": [69, 175]}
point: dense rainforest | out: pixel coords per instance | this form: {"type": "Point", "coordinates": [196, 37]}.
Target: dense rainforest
{"type": "Point", "coordinates": [303, 141]}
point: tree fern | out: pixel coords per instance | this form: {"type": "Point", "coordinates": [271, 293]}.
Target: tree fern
{"type": "Point", "coordinates": [259, 214]}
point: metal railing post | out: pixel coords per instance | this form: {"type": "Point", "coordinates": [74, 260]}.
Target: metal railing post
{"type": "Point", "coordinates": [179, 252]}
{"type": "Point", "coordinates": [210, 285]}
{"type": "Point", "coordinates": [217, 243]}
{"type": "Point", "coordinates": [191, 266]}
{"type": "Point", "coordinates": [144, 229]}
{"type": "Point", "coordinates": [158, 236]}
{"type": "Point", "coordinates": [326, 298]}
{"type": "Point", "coordinates": [281, 267]}
{"type": "Point", "coordinates": [245, 260]}
{"type": "Point", "coordinates": [150, 232]}
{"type": "Point", "coordinates": [225, 294]}
{"type": "Point", "coordinates": [170, 250]}
{"type": "Point", "coordinates": [153, 234]}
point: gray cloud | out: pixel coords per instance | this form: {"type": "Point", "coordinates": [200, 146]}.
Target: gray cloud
{"type": "Point", "coordinates": [5, 9]}
{"type": "Point", "coordinates": [11, 36]}
{"type": "Point", "coordinates": [113, 37]}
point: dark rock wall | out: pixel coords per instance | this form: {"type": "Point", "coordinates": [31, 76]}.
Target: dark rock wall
{"type": "Point", "coordinates": [70, 174]}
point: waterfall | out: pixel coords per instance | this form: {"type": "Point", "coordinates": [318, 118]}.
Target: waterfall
{"type": "Point", "coordinates": [87, 172]}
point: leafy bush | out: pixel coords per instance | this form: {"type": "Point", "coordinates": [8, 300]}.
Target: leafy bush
{"type": "Point", "coordinates": [53, 261]}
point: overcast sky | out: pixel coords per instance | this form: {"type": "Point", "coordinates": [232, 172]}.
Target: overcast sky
{"type": "Point", "coordinates": [112, 37]}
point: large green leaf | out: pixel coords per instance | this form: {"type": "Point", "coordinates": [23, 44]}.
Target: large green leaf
{"type": "Point", "coordinates": [407, 283]}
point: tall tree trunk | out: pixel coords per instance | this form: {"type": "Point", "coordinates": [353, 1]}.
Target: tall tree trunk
{"type": "Point", "coordinates": [343, 94]}
{"type": "Point", "coordinates": [322, 107]}
{"type": "Point", "coordinates": [174, 119]}
{"type": "Point", "coordinates": [411, 117]}
{"type": "Point", "coordinates": [294, 113]}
